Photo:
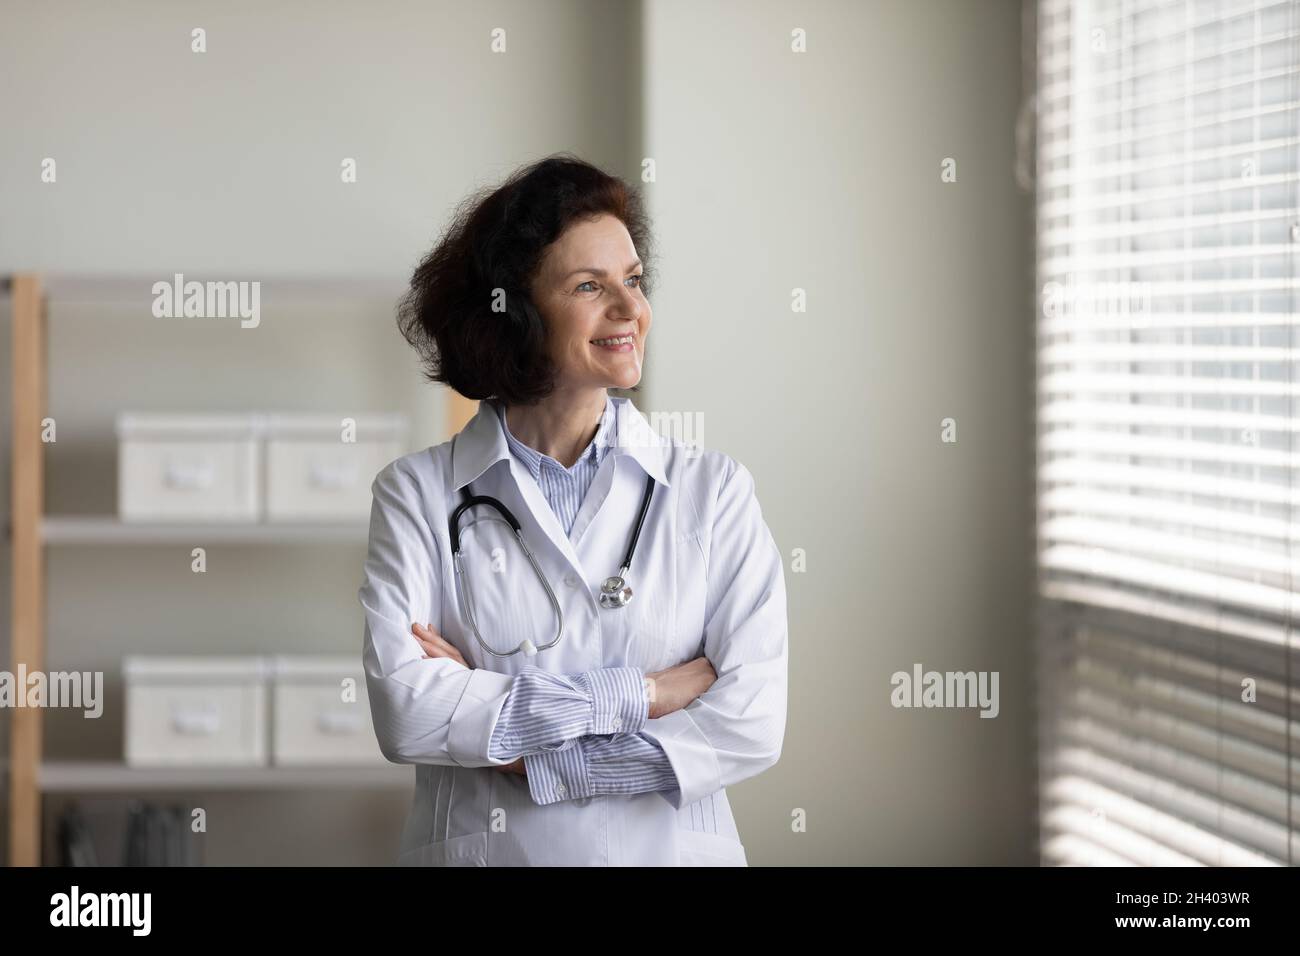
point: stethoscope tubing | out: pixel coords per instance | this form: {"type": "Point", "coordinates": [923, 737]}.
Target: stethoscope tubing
{"type": "Point", "coordinates": [640, 520]}
{"type": "Point", "coordinates": [463, 573]}
{"type": "Point", "coordinates": [470, 501]}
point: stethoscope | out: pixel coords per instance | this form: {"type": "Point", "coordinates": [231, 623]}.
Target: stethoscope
{"type": "Point", "coordinates": [615, 592]}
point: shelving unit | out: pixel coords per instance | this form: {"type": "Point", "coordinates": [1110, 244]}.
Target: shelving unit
{"type": "Point", "coordinates": [95, 776]}
{"type": "Point", "coordinates": [31, 530]}
{"type": "Point", "coordinates": [107, 529]}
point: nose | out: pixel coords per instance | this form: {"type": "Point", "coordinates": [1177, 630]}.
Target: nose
{"type": "Point", "coordinates": [628, 306]}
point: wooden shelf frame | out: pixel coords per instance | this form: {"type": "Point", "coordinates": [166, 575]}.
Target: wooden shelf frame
{"type": "Point", "coordinates": [29, 525]}
{"type": "Point", "coordinates": [27, 629]}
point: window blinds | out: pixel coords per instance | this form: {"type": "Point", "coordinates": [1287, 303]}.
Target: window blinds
{"type": "Point", "coordinates": [1168, 468]}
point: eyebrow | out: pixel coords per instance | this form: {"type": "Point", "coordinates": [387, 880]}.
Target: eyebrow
{"type": "Point", "coordinates": [600, 272]}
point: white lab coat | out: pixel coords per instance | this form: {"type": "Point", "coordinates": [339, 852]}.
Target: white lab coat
{"type": "Point", "coordinates": [707, 579]}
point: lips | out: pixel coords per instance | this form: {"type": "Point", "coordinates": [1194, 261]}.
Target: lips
{"type": "Point", "coordinates": [614, 341]}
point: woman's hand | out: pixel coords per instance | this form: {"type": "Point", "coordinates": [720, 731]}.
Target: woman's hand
{"type": "Point", "coordinates": [434, 645]}
{"type": "Point", "coordinates": [678, 686]}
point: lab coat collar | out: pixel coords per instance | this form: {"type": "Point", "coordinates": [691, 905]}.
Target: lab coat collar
{"type": "Point", "coordinates": [482, 443]}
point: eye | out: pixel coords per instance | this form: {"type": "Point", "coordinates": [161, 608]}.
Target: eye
{"type": "Point", "coordinates": [637, 277]}
{"type": "Point", "coordinates": [588, 282]}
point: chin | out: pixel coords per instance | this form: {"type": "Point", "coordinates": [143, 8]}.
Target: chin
{"type": "Point", "coordinates": [627, 381]}
{"type": "Point", "coordinates": [628, 378]}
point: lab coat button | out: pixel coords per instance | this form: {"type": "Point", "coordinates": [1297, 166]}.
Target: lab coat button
{"type": "Point", "coordinates": [571, 581]}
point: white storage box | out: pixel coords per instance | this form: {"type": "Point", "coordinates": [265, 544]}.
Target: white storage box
{"type": "Point", "coordinates": [195, 711]}
{"type": "Point", "coordinates": [188, 467]}
{"type": "Point", "coordinates": [317, 720]}
{"type": "Point", "coordinates": [313, 474]}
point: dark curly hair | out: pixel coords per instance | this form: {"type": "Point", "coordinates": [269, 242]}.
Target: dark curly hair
{"type": "Point", "coordinates": [495, 241]}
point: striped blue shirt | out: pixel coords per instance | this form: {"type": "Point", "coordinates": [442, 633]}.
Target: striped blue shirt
{"type": "Point", "coordinates": [579, 734]}
{"type": "Point", "coordinates": [565, 488]}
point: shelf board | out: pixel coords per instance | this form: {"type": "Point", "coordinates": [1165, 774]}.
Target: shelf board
{"type": "Point", "coordinates": [113, 777]}
{"type": "Point", "coordinates": [109, 529]}
{"type": "Point", "coordinates": [275, 290]}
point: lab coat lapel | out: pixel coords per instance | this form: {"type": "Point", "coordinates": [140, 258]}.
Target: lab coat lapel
{"type": "Point", "coordinates": [606, 477]}
{"type": "Point", "coordinates": [479, 446]}
{"type": "Point", "coordinates": [542, 515]}
{"type": "Point", "coordinates": [615, 493]}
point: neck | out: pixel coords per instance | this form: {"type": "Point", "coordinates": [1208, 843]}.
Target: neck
{"type": "Point", "coordinates": [561, 425]}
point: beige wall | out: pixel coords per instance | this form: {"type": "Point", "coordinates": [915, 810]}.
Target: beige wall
{"type": "Point", "coordinates": [821, 171]}
{"type": "Point", "coordinates": [774, 171]}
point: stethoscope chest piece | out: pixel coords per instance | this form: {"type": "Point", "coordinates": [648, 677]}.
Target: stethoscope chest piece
{"type": "Point", "coordinates": [615, 593]}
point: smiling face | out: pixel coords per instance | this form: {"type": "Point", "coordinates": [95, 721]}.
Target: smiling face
{"type": "Point", "coordinates": [588, 290]}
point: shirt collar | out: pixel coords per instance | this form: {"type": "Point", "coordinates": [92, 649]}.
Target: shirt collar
{"type": "Point", "coordinates": [482, 443]}
{"type": "Point", "coordinates": [533, 459]}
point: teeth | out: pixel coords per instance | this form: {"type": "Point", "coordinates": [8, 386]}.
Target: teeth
{"type": "Point", "coordinates": [621, 340]}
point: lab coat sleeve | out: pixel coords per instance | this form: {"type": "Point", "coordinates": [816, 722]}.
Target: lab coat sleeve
{"type": "Point", "coordinates": [425, 710]}
{"type": "Point", "coordinates": [735, 729]}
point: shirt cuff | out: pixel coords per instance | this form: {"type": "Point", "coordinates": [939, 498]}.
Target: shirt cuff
{"type": "Point", "coordinates": [620, 703]}
{"type": "Point", "coordinates": [556, 775]}
{"type": "Point", "coordinates": [626, 763]}
{"type": "Point", "coordinates": [600, 766]}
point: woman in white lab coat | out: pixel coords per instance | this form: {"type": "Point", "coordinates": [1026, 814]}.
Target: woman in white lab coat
{"type": "Point", "coordinates": [615, 745]}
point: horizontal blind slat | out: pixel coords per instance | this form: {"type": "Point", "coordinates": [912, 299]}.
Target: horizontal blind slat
{"type": "Point", "coordinates": [1107, 474]}
{"type": "Point", "coordinates": [1075, 500]}
{"type": "Point", "coordinates": [1157, 575]}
